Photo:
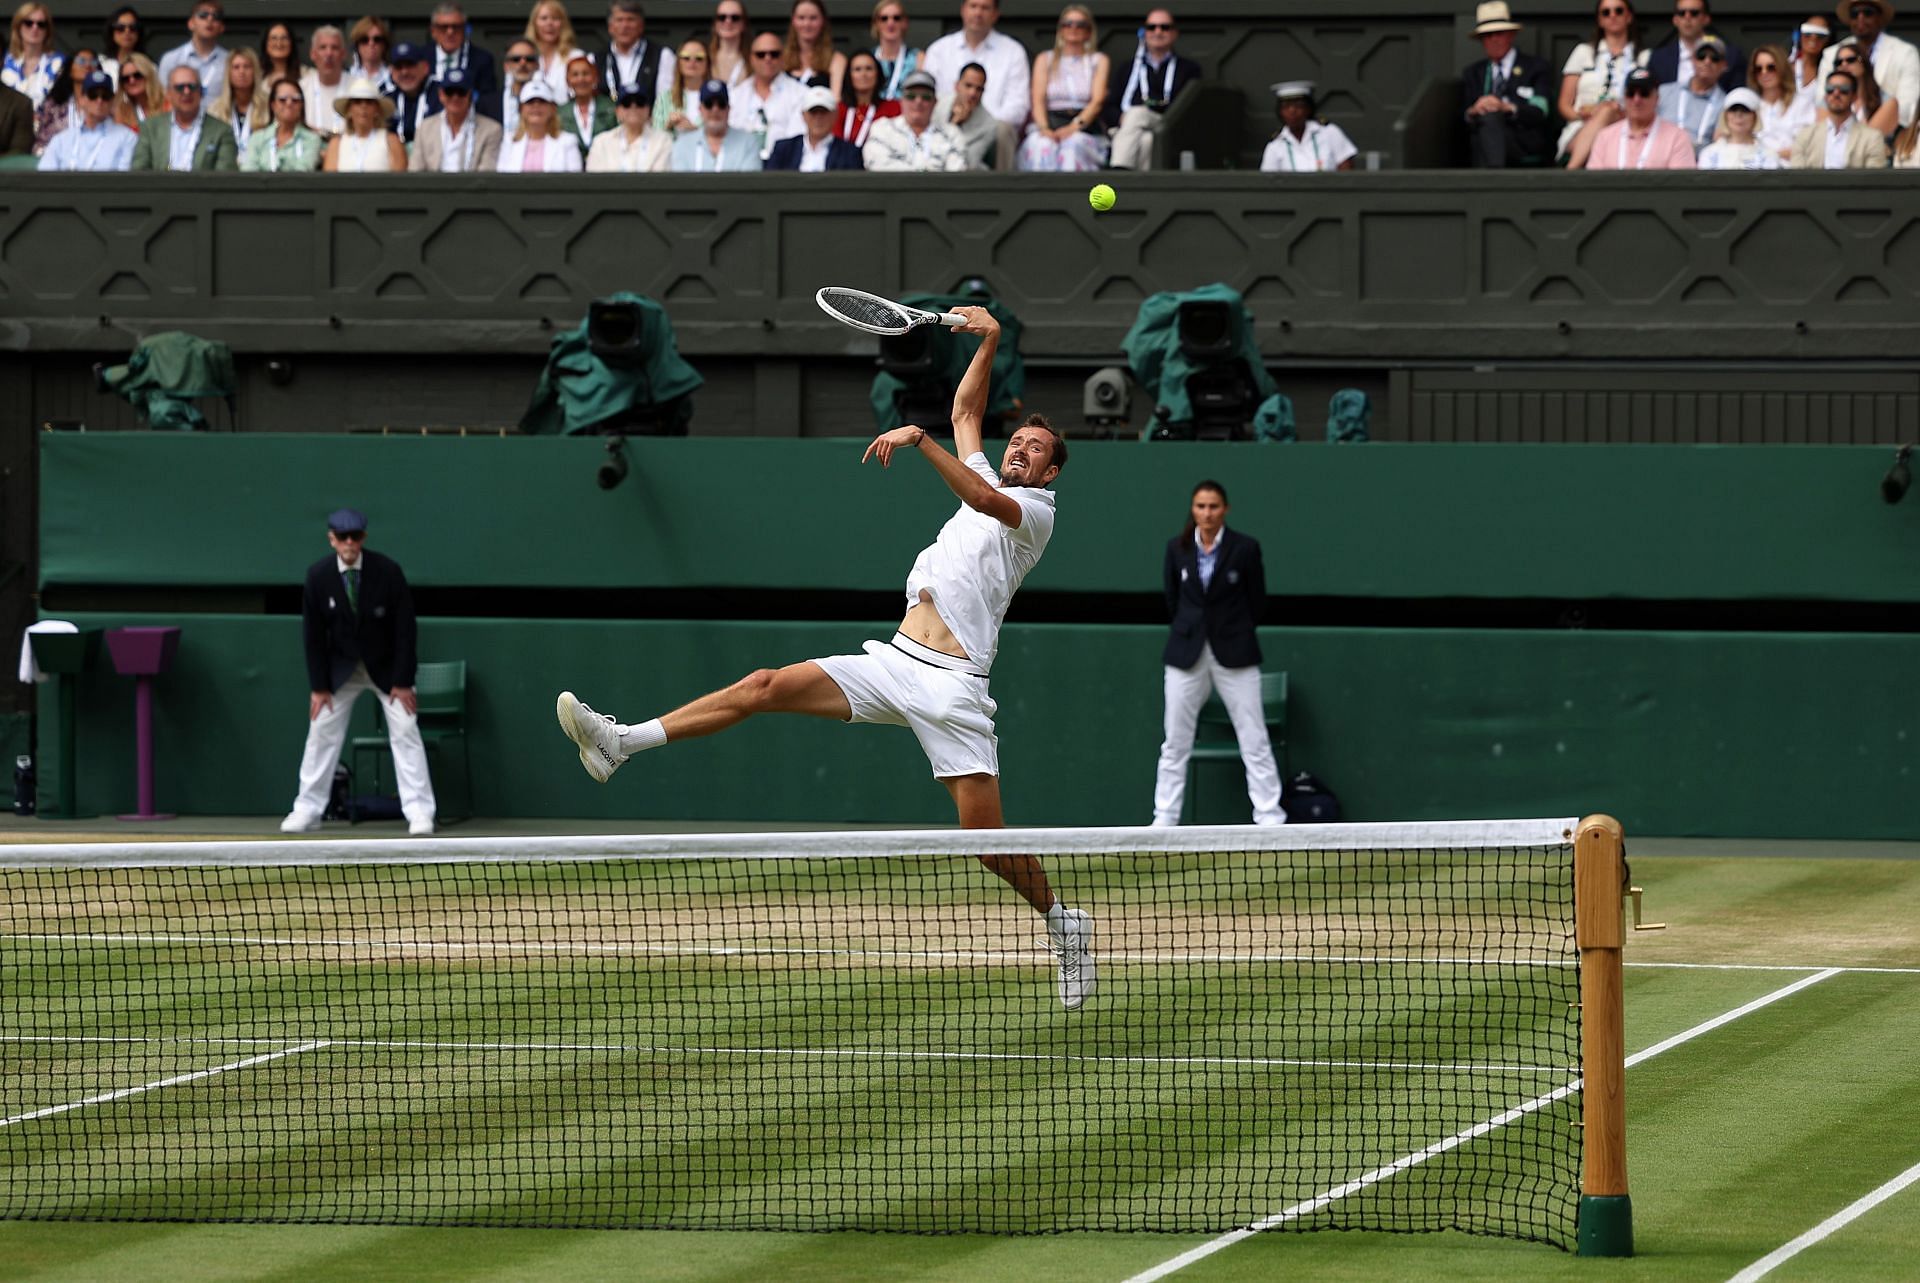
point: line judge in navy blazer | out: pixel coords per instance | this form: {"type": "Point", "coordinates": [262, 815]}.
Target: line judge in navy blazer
{"type": "Point", "coordinates": [358, 623]}
{"type": "Point", "coordinates": [1216, 588]}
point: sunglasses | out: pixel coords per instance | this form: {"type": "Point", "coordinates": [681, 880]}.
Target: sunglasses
{"type": "Point", "coordinates": [296, 101]}
{"type": "Point", "coordinates": [350, 536]}
{"type": "Point", "coordinates": [448, 26]}
{"type": "Point", "coordinates": [1160, 26]}
{"type": "Point", "coordinates": [185, 89]}
{"type": "Point", "coordinates": [892, 17]}
{"type": "Point", "coordinates": [1842, 90]}
{"type": "Point", "coordinates": [1863, 11]}
{"type": "Point", "coordinates": [100, 95]}
{"type": "Point", "coordinates": [685, 57]}
{"type": "Point", "coordinates": [1640, 91]}
{"type": "Point", "coordinates": [1615, 11]}
{"type": "Point", "coordinates": [205, 14]}
{"type": "Point", "coordinates": [766, 53]}
{"type": "Point", "coordinates": [39, 23]}
{"type": "Point", "coordinates": [916, 95]}
{"type": "Point", "coordinates": [128, 77]}
{"type": "Point", "coordinates": [371, 38]}
{"type": "Point", "coordinates": [126, 26]}
{"type": "Point", "coordinates": [1689, 13]}
{"type": "Point", "coordinates": [1708, 55]}
{"type": "Point", "coordinates": [737, 17]}
{"type": "Point", "coordinates": [1851, 61]}
{"type": "Point", "coordinates": [1762, 68]}
{"type": "Point", "coordinates": [521, 57]}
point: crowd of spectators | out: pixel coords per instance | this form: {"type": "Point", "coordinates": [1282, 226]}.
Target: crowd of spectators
{"type": "Point", "coordinates": [791, 97]}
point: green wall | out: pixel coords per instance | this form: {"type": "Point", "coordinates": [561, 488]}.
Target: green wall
{"type": "Point", "coordinates": [1716, 734]}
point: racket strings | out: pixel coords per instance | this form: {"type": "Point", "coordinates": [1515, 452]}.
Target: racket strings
{"type": "Point", "coordinates": [866, 311]}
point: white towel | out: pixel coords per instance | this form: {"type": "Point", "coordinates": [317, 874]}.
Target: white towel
{"type": "Point", "coordinates": [29, 670]}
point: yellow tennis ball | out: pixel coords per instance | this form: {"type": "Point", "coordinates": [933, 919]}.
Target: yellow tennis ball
{"type": "Point", "coordinates": [1101, 198]}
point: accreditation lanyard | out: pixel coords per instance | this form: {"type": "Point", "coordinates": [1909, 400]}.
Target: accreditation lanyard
{"type": "Point", "coordinates": [862, 123]}
{"type": "Point", "coordinates": [899, 70]}
{"type": "Point", "coordinates": [1138, 80]}
{"type": "Point", "coordinates": [93, 153]}
{"type": "Point", "coordinates": [1312, 141]}
{"type": "Point", "coordinates": [1645, 147]}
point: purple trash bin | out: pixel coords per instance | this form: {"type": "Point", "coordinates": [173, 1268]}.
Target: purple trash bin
{"type": "Point", "coordinates": [143, 653]}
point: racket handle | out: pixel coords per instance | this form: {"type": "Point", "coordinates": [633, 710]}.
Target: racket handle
{"type": "Point", "coordinates": [952, 318]}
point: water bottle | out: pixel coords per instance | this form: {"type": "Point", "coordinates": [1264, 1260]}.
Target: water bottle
{"type": "Point", "coordinates": [23, 785]}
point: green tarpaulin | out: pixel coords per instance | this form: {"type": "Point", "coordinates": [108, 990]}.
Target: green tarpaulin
{"type": "Point", "coordinates": [1161, 369]}
{"type": "Point", "coordinates": [579, 392]}
{"type": "Point", "coordinates": [166, 372]}
{"type": "Point", "coordinates": [1007, 391]}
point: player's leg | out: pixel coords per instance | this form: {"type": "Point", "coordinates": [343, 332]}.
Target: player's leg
{"type": "Point", "coordinates": [1240, 691]}
{"type": "Point", "coordinates": [1186, 691]}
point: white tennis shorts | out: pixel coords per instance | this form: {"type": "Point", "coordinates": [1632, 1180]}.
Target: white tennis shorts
{"type": "Point", "coordinates": [948, 711]}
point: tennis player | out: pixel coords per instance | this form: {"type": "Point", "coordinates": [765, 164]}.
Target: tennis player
{"type": "Point", "coordinates": [932, 675]}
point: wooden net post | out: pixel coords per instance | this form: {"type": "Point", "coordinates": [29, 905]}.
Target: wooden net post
{"type": "Point", "coordinates": [1599, 880]}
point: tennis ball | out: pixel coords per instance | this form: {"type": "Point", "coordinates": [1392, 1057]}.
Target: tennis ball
{"type": "Point", "coordinates": [1101, 198]}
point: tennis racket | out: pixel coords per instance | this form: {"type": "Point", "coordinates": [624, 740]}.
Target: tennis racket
{"type": "Point", "coordinates": [876, 315]}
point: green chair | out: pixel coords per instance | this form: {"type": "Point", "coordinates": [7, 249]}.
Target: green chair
{"type": "Point", "coordinates": [441, 690]}
{"type": "Point", "coordinates": [1214, 741]}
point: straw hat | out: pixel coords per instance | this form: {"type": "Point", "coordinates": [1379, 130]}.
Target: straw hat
{"type": "Point", "coordinates": [1845, 9]}
{"type": "Point", "coordinates": [362, 89]}
{"type": "Point", "coordinates": [1493, 17]}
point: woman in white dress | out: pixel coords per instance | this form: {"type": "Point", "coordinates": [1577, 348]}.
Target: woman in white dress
{"type": "Point", "coordinates": [677, 110]}
{"type": "Point", "coordinates": [1069, 87]}
{"type": "Point", "coordinates": [367, 146]}
{"type": "Point", "coordinates": [243, 101]}
{"type": "Point", "coordinates": [635, 147]}
{"type": "Point", "coordinates": [539, 145]}
{"type": "Point", "coordinates": [125, 34]}
{"type": "Point", "coordinates": [32, 65]}
{"type": "Point", "coordinates": [1595, 78]}
{"type": "Point", "coordinates": [1784, 112]}
{"type": "Point", "coordinates": [727, 43]}
{"type": "Point", "coordinates": [551, 31]}
{"type": "Point", "coordinates": [1738, 145]}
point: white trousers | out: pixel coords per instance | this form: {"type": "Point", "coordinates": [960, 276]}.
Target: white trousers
{"type": "Point", "coordinates": [327, 735]}
{"type": "Point", "coordinates": [1187, 691]}
{"type": "Point", "coordinates": [1133, 140]}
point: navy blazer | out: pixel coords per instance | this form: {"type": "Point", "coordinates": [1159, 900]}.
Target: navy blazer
{"type": "Point", "coordinates": [1664, 63]}
{"type": "Point", "coordinates": [481, 73]}
{"type": "Point", "coordinates": [397, 122]}
{"type": "Point", "coordinates": [1530, 118]}
{"type": "Point", "coordinates": [382, 634]}
{"type": "Point", "coordinates": [841, 154]}
{"type": "Point", "coordinates": [1226, 613]}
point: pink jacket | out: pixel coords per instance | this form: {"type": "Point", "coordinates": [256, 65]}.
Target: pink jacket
{"type": "Point", "coordinates": [1669, 148]}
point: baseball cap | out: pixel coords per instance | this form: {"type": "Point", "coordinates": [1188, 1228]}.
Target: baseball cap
{"type": "Point", "coordinates": [456, 81]}
{"type": "Point", "coordinates": [1713, 42]}
{"type": "Point", "coordinates": [342, 520]}
{"type": "Point", "coordinates": [818, 98]}
{"type": "Point", "coordinates": [1641, 78]}
{"type": "Point", "coordinates": [406, 51]}
{"type": "Point", "coordinates": [538, 90]}
{"type": "Point", "coordinates": [637, 93]}
{"type": "Point", "coordinates": [97, 81]}
{"type": "Point", "coordinates": [714, 94]}
{"type": "Point", "coordinates": [1744, 97]}
{"type": "Point", "coordinates": [919, 80]}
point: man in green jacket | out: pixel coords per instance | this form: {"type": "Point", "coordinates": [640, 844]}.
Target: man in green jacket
{"type": "Point", "coordinates": [185, 138]}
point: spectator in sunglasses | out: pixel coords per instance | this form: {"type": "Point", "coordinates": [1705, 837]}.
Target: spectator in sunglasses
{"type": "Point", "coordinates": [1640, 139]}
{"type": "Point", "coordinates": [1695, 104]}
{"type": "Point", "coordinates": [1875, 105]}
{"type": "Point", "coordinates": [1594, 79]}
{"type": "Point", "coordinates": [185, 138]}
{"type": "Point", "coordinates": [1157, 74]}
{"type": "Point", "coordinates": [453, 48]}
{"type": "Point", "coordinates": [1069, 86]}
{"type": "Point", "coordinates": [1896, 63]}
{"type": "Point", "coordinates": [726, 45]}
{"type": "Point", "coordinates": [206, 23]}
{"type": "Point", "coordinates": [61, 110]}
{"type": "Point", "coordinates": [1672, 63]}
{"type": "Point", "coordinates": [139, 95]}
{"type": "Point", "coordinates": [767, 106]}
{"type": "Point", "coordinates": [896, 58]}
{"type": "Point", "coordinates": [1839, 140]}
{"type": "Point", "coordinates": [97, 144]}
{"type": "Point", "coordinates": [286, 146]}
{"type": "Point", "coordinates": [322, 82]}
{"type": "Point", "coordinates": [677, 109]}
{"type": "Point", "coordinates": [126, 34]}
{"type": "Point", "coordinates": [630, 58]}
{"type": "Point", "coordinates": [370, 42]}
{"type": "Point", "coordinates": [32, 65]}
{"type": "Point", "coordinates": [456, 139]}
{"type": "Point", "coordinates": [520, 66]}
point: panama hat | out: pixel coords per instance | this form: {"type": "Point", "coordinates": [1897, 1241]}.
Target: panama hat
{"type": "Point", "coordinates": [1493, 17]}
{"type": "Point", "coordinates": [361, 89]}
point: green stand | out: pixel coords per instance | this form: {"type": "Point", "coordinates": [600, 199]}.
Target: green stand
{"type": "Point", "coordinates": [1606, 1225]}
{"type": "Point", "coordinates": [65, 656]}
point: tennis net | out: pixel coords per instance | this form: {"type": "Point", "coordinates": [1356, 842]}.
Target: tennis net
{"type": "Point", "coordinates": [1354, 1026]}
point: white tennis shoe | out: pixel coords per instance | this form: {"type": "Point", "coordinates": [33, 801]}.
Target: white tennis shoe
{"type": "Point", "coordinates": [1070, 940]}
{"type": "Point", "coordinates": [595, 734]}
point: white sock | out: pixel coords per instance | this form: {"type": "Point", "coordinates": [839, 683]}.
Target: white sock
{"type": "Point", "coordinates": [635, 739]}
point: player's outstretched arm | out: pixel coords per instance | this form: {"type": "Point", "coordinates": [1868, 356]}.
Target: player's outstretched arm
{"type": "Point", "coordinates": [967, 485]}
{"type": "Point", "coordinates": [970, 398]}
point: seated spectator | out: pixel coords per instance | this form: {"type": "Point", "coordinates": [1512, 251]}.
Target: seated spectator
{"type": "Point", "coordinates": [243, 103]}
{"type": "Point", "coordinates": [860, 102]}
{"type": "Point", "coordinates": [520, 62]}
{"type": "Point", "coordinates": [61, 110]}
{"type": "Point", "coordinates": [1695, 104]}
{"type": "Point", "coordinates": [1641, 140]}
{"type": "Point", "coordinates": [139, 94]}
{"type": "Point", "coordinates": [366, 146]}
{"type": "Point", "coordinates": [809, 56]}
{"type": "Point", "coordinates": [677, 110]}
{"type": "Point", "coordinates": [1739, 145]}
{"type": "Point", "coordinates": [551, 31]}
{"type": "Point", "coordinates": [716, 148]}
{"type": "Point", "coordinates": [1839, 139]}
{"type": "Point", "coordinates": [324, 80]}
{"type": "Point", "coordinates": [32, 65]}
{"type": "Point", "coordinates": [369, 41]}
{"type": "Point", "coordinates": [767, 107]}
{"type": "Point", "coordinates": [892, 55]}
{"type": "Point", "coordinates": [1783, 111]}
{"type": "Point", "coordinates": [457, 139]}
{"type": "Point", "coordinates": [1069, 89]}
{"type": "Point", "coordinates": [1009, 98]}
{"type": "Point", "coordinates": [980, 133]}
{"type": "Point", "coordinates": [1672, 63]}
{"type": "Point", "coordinates": [185, 139]}
{"type": "Point", "coordinates": [818, 149]}
{"type": "Point", "coordinates": [1895, 63]}
{"type": "Point", "coordinates": [1505, 96]}
{"type": "Point", "coordinates": [1157, 74]}
{"type": "Point", "coordinates": [203, 52]}
{"type": "Point", "coordinates": [279, 55]}
{"type": "Point", "coordinates": [1904, 154]}
{"type": "Point", "coordinates": [454, 50]}
{"type": "Point", "coordinates": [1304, 145]}
{"type": "Point", "coordinates": [634, 146]}
{"type": "Point", "coordinates": [1811, 40]}
{"type": "Point", "coordinates": [125, 34]}
{"type": "Point", "coordinates": [629, 58]}
{"type": "Point", "coordinates": [913, 141]}
{"type": "Point", "coordinates": [587, 114]}
{"type": "Point", "coordinates": [1880, 112]}
{"type": "Point", "coordinates": [1594, 79]}
{"type": "Point", "coordinates": [727, 44]}
{"type": "Point", "coordinates": [287, 146]}
{"type": "Point", "coordinates": [413, 95]}
{"type": "Point", "coordinates": [96, 144]}
{"type": "Point", "coordinates": [16, 122]}
{"type": "Point", "coordinates": [538, 145]}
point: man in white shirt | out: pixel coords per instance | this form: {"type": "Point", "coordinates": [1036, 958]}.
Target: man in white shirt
{"type": "Point", "coordinates": [913, 141]}
{"type": "Point", "coordinates": [325, 80]}
{"type": "Point", "coordinates": [768, 105]}
{"type": "Point", "coordinates": [932, 675]}
{"type": "Point", "coordinates": [630, 58]}
{"type": "Point", "coordinates": [98, 144]}
{"type": "Point", "coordinates": [1839, 140]}
{"type": "Point", "coordinates": [1896, 63]}
{"type": "Point", "coordinates": [1009, 70]}
{"type": "Point", "coordinates": [456, 139]}
{"type": "Point", "coordinates": [206, 24]}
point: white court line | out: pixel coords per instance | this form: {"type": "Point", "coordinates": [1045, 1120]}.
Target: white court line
{"type": "Point", "coordinates": [1853, 1211]}
{"type": "Point", "coordinates": [174, 1081]}
{"type": "Point", "coordinates": [1454, 1141]}
{"type": "Point", "coordinates": [850, 1053]}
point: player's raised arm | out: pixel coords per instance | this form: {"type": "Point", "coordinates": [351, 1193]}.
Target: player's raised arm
{"type": "Point", "coordinates": [970, 398]}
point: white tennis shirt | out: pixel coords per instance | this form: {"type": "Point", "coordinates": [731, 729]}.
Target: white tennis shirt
{"type": "Point", "coordinates": [975, 565]}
